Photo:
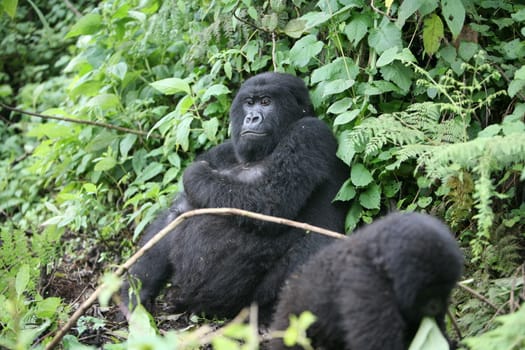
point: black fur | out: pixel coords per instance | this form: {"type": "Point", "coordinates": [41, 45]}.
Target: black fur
{"type": "Point", "coordinates": [371, 291]}
{"type": "Point", "coordinates": [280, 161]}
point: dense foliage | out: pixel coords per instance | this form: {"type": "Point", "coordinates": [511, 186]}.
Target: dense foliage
{"type": "Point", "coordinates": [427, 99]}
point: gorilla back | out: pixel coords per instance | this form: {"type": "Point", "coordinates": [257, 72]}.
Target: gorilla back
{"type": "Point", "coordinates": [280, 161]}
{"type": "Point", "coordinates": [371, 291]}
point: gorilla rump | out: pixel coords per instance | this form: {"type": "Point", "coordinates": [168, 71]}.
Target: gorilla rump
{"type": "Point", "coordinates": [280, 161]}
{"type": "Point", "coordinates": [371, 291]}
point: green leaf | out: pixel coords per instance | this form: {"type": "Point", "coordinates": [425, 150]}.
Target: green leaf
{"type": "Point", "coordinates": [387, 57]}
{"type": "Point", "coordinates": [357, 28]}
{"type": "Point", "coordinates": [47, 308]}
{"type": "Point", "coordinates": [346, 193]}
{"type": "Point", "coordinates": [340, 106]}
{"type": "Point", "coordinates": [152, 170]}
{"type": "Point", "coordinates": [406, 56]}
{"type": "Point", "coordinates": [304, 49]}
{"type": "Point", "coordinates": [424, 202]}
{"type": "Point", "coordinates": [399, 74]}
{"type": "Point", "coordinates": [215, 90]}
{"type": "Point", "coordinates": [118, 70]}
{"type": "Point", "coordinates": [270, 22]}
{"type": "Point", "coordinates": [371, 198]}
{"type": "Point", "coordinates": [296, 332]}
{"type": "Point", "coordinates": [89, 187]}
{"type": "Point", "coordinates": [111, 283]}
{"type": "Point", "coordinates": [140, 326]}
{"type": "Point", "coordinates": [252, 12]}
{"type": "Point", "coordinates": [454, 14]}
{"type": "Point", "coordinates": [515, 86]}
{"type": "Point", "coordinates": [183, 133]}
{"type": "Point", "coordinates": [9, 7]}
{"type": "Point", "coordinates": [429, 336]}
{"type": "Point", "coordinates": [171, 86]}
{"type": "Point", "coordinates": [223, 343]}
{"type": "Point", "coordinates": [295, 28]}
{"type": "Point", "coordinates": [340, 68]}
{"type": "Point", "coordinates": [210, 128]}
{"type": "Point", "coordinates": [315, 18]}
{"type": "Point", "coordinates": [520, 73]}
{"type": "Point", "coordinates": [22, 279]}
{"type": "Point", "coordinates": [89, 24]}
{"type": "Point", "coordinates": [360, 175]}
{"type": "Point", "coordinates": [51, 130]}
{"type": "Point", "coordinates": [337, 86]}
{"type": "Point", "coordinates": [104, 102]}
{"type": "Point", "coordinates": [126, 144]}
{"type": "Point", "coordinates": [346, 117]}
{"type": "Point", "coordinates": [433, 32]}
{"type": "Point", "coordinates": [227, 69]}
{"type": "Point", "coordinates": [388, 35]}
{"type": "Point", "coordinates": [105, 163]}
{"type": "Point", "coordinates": [353, 216]}
{"type": "Point", "coordinates": [407, 9]}
{"type": "Point", "coordinates": [346, 149]}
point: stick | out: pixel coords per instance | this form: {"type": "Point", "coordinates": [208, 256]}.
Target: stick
{"type": "Point", "coordinates": [155, 239]}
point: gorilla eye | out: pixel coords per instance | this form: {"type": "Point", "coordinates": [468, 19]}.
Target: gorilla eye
{"type": "Point", "coordinates": [265, 101]}
{"type": "Point", "coordinates": [249, 101]}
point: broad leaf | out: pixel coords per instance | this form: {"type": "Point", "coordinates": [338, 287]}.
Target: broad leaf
{"type": "Point", "coordinates": [371, 198]}
{"type": "Point", "coordinates": [387, 57]}
{"type": "Point", "coordinates": [454, 14]}
{"type": "Point", "coordinates": [152, 170]}
{"type": "Point", "coordinates": [215, 90]}
{"type": "Point", "coordinates": [429, 337]}
{"type": "Point", "coordinates": [388, 35]}
{"type": "Point", "coordinates": [357, 28]}
{"type": "Point", "coordinates": [295, 28]}
{"type": "Point", "coordinates": [433, 32]}
{"type": "Point", "coordinates": [89, 24]}
{"type": "Point", "coordinates": [9, 7]}
{"type": "Point", "coordinates": [304, 49]}
{"type": "Point", "coordinates": [346, 193]}
{"type": "Point", "coordinates": [360, 175]}
{"type": "Point", "coordinates": [346, 117]}
{"type": "Point", "coordinates": [407, 9]}
{"type": "Point", "coordinates": [171, 86]}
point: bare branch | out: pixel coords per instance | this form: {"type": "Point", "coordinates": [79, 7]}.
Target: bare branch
{"type": "Point", "coordinates": [155, 239]}
{"type": "Point", "coordinates": [80, 121]}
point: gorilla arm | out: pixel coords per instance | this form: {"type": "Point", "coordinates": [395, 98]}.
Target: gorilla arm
{"type": "Point", "coordinates": [300, 162]}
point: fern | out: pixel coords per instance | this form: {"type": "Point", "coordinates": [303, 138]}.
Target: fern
{"type": "Point", "coordinates": [434, 134]}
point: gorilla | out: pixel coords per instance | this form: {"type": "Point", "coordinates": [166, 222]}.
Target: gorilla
{"type": "Point", "coordinates": [371, 291]}
{"type": "Point", "coordinates": [281, 160]}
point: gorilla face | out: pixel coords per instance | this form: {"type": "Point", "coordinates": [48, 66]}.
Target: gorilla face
{"type": "Point", "coordinates": [263, 110]}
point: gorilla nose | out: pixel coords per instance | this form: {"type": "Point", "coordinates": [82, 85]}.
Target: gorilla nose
{"type": "Point", "coordinates": [253, 119]}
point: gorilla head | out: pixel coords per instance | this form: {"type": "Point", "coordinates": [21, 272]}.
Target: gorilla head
{"type": "Point", "coordinates": [262, 112]}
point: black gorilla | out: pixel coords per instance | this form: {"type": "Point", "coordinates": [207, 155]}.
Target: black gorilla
{"type": "Point", "coordinates": [370, 291]}
{"type": "Point", "coordinates": [280, 161]}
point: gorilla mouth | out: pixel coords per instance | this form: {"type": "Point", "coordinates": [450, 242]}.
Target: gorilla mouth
{"type": "Point", "coordinates": [253, 133]}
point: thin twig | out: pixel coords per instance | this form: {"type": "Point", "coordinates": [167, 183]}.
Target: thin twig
{"type": "Point", "coordinates": [155, 239]}
{"type": "Point", "coordinates": [479, 296]}
{"type": "Point", "coordinates": [70, 6]}
{"type": "Point", "coordinates": [454, 324]}
{"type": "Point", "coordinates": [80, 121]}
{"type": "Point", "coordinates": [247, 22]}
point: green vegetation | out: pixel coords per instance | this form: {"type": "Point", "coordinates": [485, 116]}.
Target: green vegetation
{"type": "Point", "coordinates": [427, 99]}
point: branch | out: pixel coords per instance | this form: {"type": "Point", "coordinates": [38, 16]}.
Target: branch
{"type": "Point", "coordinates": [155, 239]}
{"type": "Point", "coordinates": [73, 8]}
{"type": "Point", "coordinates": [80, 121]}
{"type": "Point", "coordinates": [479, 296]}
